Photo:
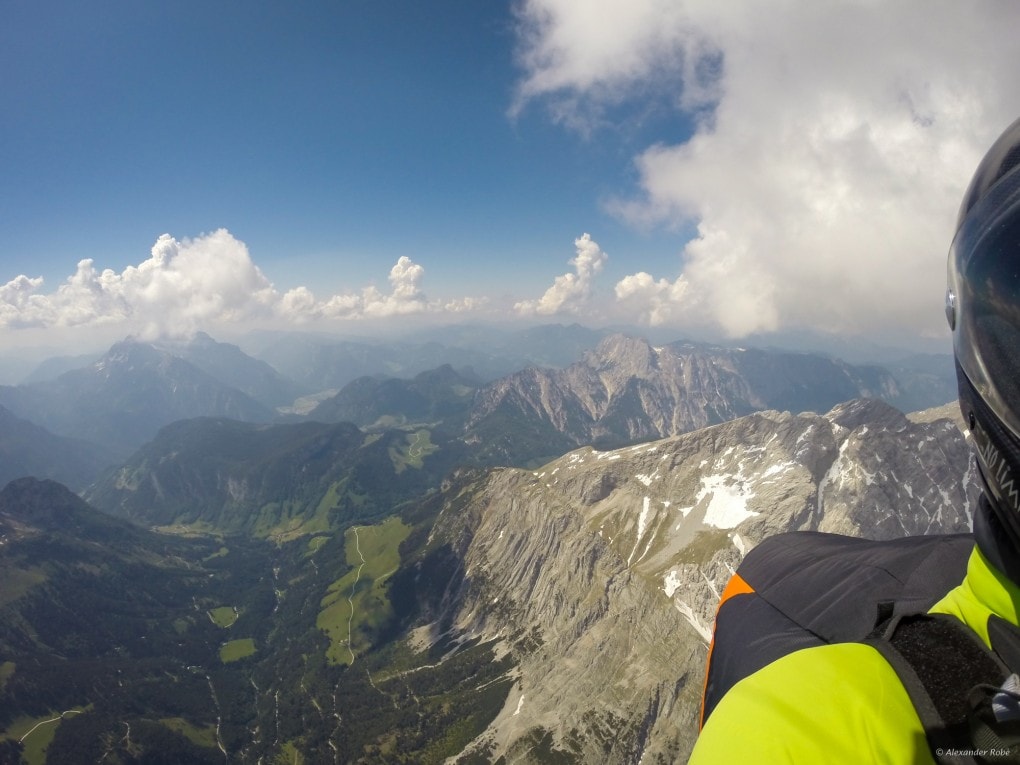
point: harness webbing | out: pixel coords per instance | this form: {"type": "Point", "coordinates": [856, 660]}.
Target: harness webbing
{"type": "Point", "coordinates": [939, 660]}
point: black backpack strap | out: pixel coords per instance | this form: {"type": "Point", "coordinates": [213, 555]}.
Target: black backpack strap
{"type": "Point", "coordinates": [1005, 638]}
{"type": "Point", "coordinates": [940, 660]}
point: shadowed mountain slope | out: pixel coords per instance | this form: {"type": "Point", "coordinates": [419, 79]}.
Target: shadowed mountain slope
{"type": "Point", "coordinates": [122, 400]}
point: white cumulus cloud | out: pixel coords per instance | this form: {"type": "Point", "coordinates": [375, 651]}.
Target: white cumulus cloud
{"type": "Point", "coordinates": [187, 284]}
{"type": "Point", "coordinates": [570, 292]}
{"type": "Point", "coordinates": [181, 284]}
{"type": "Point", "coordinates": [405, 296]}
{"type": "Point", "coordinates": [831, 146]}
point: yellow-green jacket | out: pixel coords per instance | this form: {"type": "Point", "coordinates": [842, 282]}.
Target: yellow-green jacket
{"type": "Point", "coordinates": [842, 703]}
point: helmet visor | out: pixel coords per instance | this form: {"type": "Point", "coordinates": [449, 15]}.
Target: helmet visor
{"type": "Point", "coordinates": [984, 285]}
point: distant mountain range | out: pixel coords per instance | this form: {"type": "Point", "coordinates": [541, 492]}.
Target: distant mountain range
{"type": "Point", "coordinates": [620, 390]}
{"type": "Point", "coordinates": [626, 390]}
{"type": "Point", "coordinates": [121, 399]}
{"type": "Point", "coordinates": [319, 362]}
{"type": "Point", "coordinates": [124, 398]}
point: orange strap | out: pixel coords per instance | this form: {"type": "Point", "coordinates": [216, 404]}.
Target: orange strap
{"type": "Point", "coordinates": [736, 586]}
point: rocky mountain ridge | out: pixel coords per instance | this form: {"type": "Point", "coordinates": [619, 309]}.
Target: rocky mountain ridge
{"type": "Point", "coordinates": [627, 390]}
{"type": "Point", "coordinates": [612, 562]}
{"type": "Point", "coordinates": [623, 391]}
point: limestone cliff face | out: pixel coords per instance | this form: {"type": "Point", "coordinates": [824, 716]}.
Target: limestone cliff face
{"type": "Point", "coordinates": [600, 571]}
{"type": "Point", "coordinates": [627, 390]}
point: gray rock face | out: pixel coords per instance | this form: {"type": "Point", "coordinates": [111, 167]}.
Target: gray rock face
{"type": "Point", "coordinates": [627, 390]}
{"type": "Point", "coordinates": [610, 563]}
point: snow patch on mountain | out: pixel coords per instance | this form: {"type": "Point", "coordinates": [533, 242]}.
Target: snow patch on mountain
{"type": "Point", "coordinates": [727, 503]}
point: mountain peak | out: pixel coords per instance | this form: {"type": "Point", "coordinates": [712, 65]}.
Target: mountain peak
{"type": "Point", "coordinates": [867, 411]}
{"type": "Point", "coordinates": [633, 354]}
{"type": "Point", "coordinates": [128, 351]}
{"type": "Point", "coordinates": [202, 338]}
{"type": "Point", "coordinates": [619, 342]}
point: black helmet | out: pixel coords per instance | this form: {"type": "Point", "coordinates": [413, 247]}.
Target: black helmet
{"type": "Point", "coordinates": [983, 307]}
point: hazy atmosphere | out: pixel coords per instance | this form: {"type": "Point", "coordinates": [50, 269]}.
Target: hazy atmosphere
{"type": "Point", "coordinates": [717, 169]}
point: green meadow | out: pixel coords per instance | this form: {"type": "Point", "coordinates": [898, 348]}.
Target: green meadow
{"type": "Point", "coordinates": [224, 616]}
{"type": "Point", "coordinates": [37, 733]}
{"type": "Point", "coordinates": [413, 451]}
{"type": "Point", "coordinates": [357, 604]}
{"type": "Point", "coordinates": [236, 650]}
{"type": "Point", "coordinates": [202, 736]}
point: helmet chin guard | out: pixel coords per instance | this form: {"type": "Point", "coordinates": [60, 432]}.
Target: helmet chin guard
{"type": "Point", "coordinates": [997, 453]}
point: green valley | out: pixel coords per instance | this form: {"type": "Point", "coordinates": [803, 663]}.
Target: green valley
{"type": "Point", "coordinates": [198, 645]}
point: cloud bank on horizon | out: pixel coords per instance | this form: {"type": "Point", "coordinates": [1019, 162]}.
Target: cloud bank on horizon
{"type": "Point", "coordinates": [832, 144]}
{"type": "Point", "coordinates": [184, 285]}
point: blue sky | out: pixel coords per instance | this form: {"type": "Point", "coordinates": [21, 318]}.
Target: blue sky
{"type": "Point", "coordinates": [330, 164]}
{"type": "Point", "coordinates": [331, 140]}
